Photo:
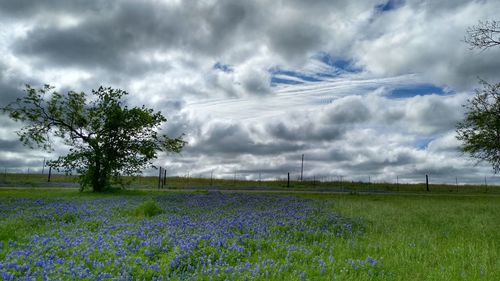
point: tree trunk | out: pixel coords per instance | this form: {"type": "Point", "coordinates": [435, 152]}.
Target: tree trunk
{"type": "Point", "coordinates": [96, 176]}
{"type": "Point", "coordinates": [99, 175]}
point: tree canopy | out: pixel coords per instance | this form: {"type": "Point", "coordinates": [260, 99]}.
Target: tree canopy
{"type": "Point", "coordinates": [480, 131]}
{"type": "Point", "coordinates": [107, 139]}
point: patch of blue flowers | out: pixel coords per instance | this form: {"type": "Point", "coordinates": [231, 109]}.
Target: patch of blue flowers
{"type": "Point", "coordinates": [211, 236]}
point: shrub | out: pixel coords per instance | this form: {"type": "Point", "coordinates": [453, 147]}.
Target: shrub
{"type": "Point", "coordinates": [148, 209]}
{"type": "Point", "coordinates": [67, 218]}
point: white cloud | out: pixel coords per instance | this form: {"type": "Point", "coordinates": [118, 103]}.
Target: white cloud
{"type": "Point", "coordinates": [164, 54]}
{"type": "Point", "coordinates": [427, 39]}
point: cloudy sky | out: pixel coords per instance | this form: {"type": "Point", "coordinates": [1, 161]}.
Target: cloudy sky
{"type": "Point", "coordinates": [362, 88]}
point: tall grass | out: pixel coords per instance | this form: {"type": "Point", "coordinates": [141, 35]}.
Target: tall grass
{"type": "Point", "coordinates": [427, 237]}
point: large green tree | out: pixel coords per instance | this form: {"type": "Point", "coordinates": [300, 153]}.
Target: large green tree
{"type": "Point", "coordinates": [480, 131]}
{"type": "Point", "coordinates": [107, 139]}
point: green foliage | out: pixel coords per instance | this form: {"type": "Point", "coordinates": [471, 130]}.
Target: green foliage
{"type": "Point", "coordinates": [15, 229]}
{"type": "Point", "coordinates": [93, 225]}
{"type": "Point", "coordinates": [148, 209]}
{"type": "Point", "coordinates": [107, 138]}
{"type": "Point", "coordinates": [66, 218]}
{"type": "Point", "coordinates": [480, 131]}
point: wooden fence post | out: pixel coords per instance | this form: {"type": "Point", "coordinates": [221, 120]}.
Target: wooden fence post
{"type": "Point", "coordinates": [427, 182]}
{"type": "Point", "coordinates": [302, 169]}
{"type": "Point", "coordinates": [164, 178]}
{"type": "Point", "coordinates": [159, 178]}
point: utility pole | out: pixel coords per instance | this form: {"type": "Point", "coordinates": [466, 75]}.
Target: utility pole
{"type": "Point", "coordinates": [288, 183]}
{"type": "Point", "coordinates": [302, 169]}
{"type": "Point", "coordinates": [427, 182]}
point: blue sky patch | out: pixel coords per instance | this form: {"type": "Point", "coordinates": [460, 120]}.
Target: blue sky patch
{"type": "Point", "coordinates": [276, 80]}
{"type": "Point", "coordinates": [415, 90]}
{"type": "Point", "coordinates": [338, 63]}
{"type": "Point", "coordinates": [333, 67]}
{"type": "Point", "coordinates": [290, 77]}
{"type": "Point", "coordinates": [389, 5]}
{"type": "Point", "coordinates": [423, 143]}
{"type": "Point", "coordinates": [223, 67]}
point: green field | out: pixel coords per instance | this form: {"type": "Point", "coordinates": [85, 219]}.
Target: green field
{"type": "Point", "coordinates": [304, 236]}
{"type": "Point", "coordinates": [428, 237]}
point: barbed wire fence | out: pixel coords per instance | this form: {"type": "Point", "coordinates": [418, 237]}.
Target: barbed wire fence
{"type": "Point", "coordinates": [252, 179]}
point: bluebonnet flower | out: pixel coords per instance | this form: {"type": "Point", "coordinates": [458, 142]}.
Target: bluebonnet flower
{"type": "Point", "coordinates": [322, 267]}
{"type": "Point", "coordinates": [214, 234]}
{"type": "Point", "coordinates": [371, 261]}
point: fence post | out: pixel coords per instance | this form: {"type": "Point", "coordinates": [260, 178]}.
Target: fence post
{"type": "Point", "coordinates": [302, 168]}
{"type": "Point", "coordinates": [211, 178]}
{"type": "Point", "coordinates": [288, 183]}
{"type": "Point", "coordinates": [159, 178]}
{"type": "Point", "coordinates": [164, 177]}
{"type": "Point", "coordinates": [427, 182]}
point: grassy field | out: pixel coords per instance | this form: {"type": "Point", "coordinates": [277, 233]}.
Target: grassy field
{"type": "Point", "coordinates": [428, 237]}
{"type": "Point", "coordinates": [203, 235]}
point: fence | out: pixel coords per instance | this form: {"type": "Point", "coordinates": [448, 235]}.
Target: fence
{"type": "Point", "coordinates": [266, 181]}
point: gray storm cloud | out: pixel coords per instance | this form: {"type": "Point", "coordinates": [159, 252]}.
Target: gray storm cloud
{"type": "Point", "coordinates": [346, 122]}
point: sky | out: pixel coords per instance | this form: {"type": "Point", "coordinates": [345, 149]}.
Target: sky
{"type": "Point", "coordinates": [366, 90]}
